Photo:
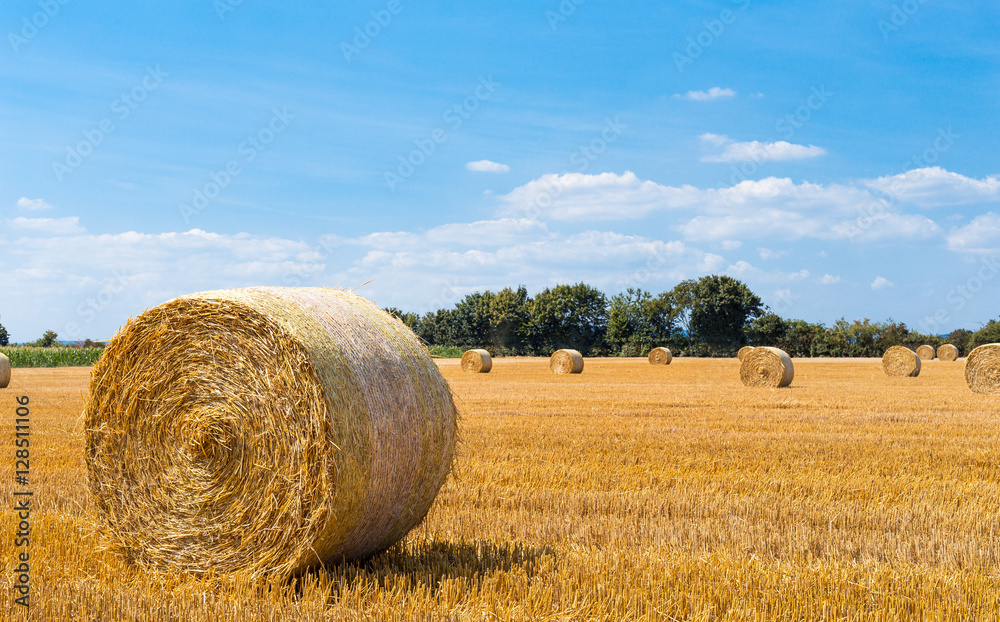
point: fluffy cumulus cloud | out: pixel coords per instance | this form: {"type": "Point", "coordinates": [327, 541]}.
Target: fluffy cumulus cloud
{"type": "Point", "coordinates": [32, 204]}
{"type": "Point", "coordinates": [979, 237]}
{"type": "Point", "coordinates": [45, 226]}
{"type": "Point", "coordinates": [486, 166]}
{"type": "Point", "coordinates": [92, 283]}
{"type": "Point", "coordinates": [88, 284]}
{"type": "Point", "coordinates": [881, 282]}
{"type": "Point", "coordinates": [757, 151]}
{"type": "Point", "coordinates": [752, 209]}
{"type": "Point", "coordinates": [450, 261]}
{"type": "Point", "coordinates": [935, 187]}
{"type": "Point", "coordinates": [700, 96]}
{"type": "Point", "coordinates": [767, 253]}
{"type": "Point", "coordinates": [747, 271]}
{"type": "Point", "coordinates": [550, 230]}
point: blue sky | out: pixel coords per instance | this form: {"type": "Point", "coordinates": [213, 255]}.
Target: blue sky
{"type": "Point", "coordinates": [836, 157]}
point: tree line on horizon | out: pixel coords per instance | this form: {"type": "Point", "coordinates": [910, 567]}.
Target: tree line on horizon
{"type": "Point", "coordinates": [715, 315]}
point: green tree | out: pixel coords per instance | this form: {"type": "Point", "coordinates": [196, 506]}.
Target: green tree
{"type": "Point", "coordinates": [768, 330]}
{"type": "Point", "coordinates": [4, 338]}
{"type": "Point", "coordinates": [410, 319]}
{"type": "Point", "coordinates": [567, 316]}
{"type": "Point", "coordinates": [990, 333]}
{"type": "Point", "coordinates": [721, 310]}
{"type": "Point", "coordinates": [637, 323]}
{"type": "Point", "coordinates": [960, 339]}
{"type": "Point", "coordinates": [681, 300]}
{"type": "Point", "coordinates": [470, 321]}
{"type": "Point", "coordinates": [47, 340]}
{"type": "Point", "coordinates": [507, 318]}
{"type": "Point", "coordinates": [805, 339]}
{"type": "Point", "coordinates": [627, 332]}
{"type": "Point", "coordinates": [434, 328]}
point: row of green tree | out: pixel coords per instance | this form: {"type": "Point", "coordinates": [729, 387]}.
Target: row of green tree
{"type": "Point", "coordinates": [711, 316]}
{"type": "Point", "coordinates": [47, 340]}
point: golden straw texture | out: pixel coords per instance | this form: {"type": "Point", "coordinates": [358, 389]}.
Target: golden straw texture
{"type": "Point", "coordinates": [4, 371]}
{"type": "Point", "coordinates": [566, 362]}
{"type": "Point", "coordinates": [660, 356]}
{"type": "Point", "coordinates": [982, 369]}
{"type": "Point", "coordinates": [264, 431]}
{"type": "Point", "coordinates": [947, 352]}
{"type": "Point", "coordinates": [926, 353]}
{"type": "Point", "coordinates": [900, 361]}
{"type": "Point", "coordinates": [766, 367]}
{"type": "Point", "coordinates": [743, 352]}
{"type": "Point", "coordinates": [477, 361]}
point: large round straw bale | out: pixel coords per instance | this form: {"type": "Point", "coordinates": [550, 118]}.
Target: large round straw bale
{"type": "Point", "coordinates": [900, 361]}
{"type": "Point", "coordinates": [926, 353]}
{"type": "Point", "coordinates": [477, 361]}
{"type": "Point", "coordinates": [660, 356]}
{"type": "Point", "coordinates": [743, 352]}
{"type": "Point", "coordinates": [766, 367]}
{"type": "Point", "coordinates": [4, 371]}
{"type": "Point", "coordinates": [982, 369]}
{"type": "Point", "coordinates": [947, 352]}
{"type": "Point", "coordinates": [264, 431]}
{"type": "Point", "coordinates": [566, 362]}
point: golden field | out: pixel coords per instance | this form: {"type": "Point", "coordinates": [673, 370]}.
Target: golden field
{"type": "Point", "coordinates": [628, 492]}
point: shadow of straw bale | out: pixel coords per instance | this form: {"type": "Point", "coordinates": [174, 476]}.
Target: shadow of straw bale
{"type": "Point", "coordinates": [424, 565]}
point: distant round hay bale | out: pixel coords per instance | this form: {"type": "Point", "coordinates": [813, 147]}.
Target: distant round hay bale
{"type": "Point", "coordinates": [566, 362]}
{"type": "Point", "coordinates": [4, 371]}
{"type": "Point", "coordinates": [743, 352]}
{"type": "Point", "coordinates": [900, 361]}
{"type": "Point", "coordinates": [926, 353]}
{"type": "Point", "coordinates": [660, 356]}
{"type": "Point", "coordinates": [982, 369]}
{"type": "Point", "coordinates": [947, 352]}
{"type": "Point", "coordinates": [264, 431]}
{"type": "Point", "coordinates": [766, 367]}
{"type": "Point", "coordinates": [477, 361]}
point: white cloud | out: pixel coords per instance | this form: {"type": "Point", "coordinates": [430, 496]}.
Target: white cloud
{"type": "Point", "coordinates": [450, 261]}
{"type": "Point", "coordinates": [604, 196]}
{"type": "Point", "coordinates": [876, 225]}
{"type": "Point", "coordinates": [730, 245]}
{"type": "Point", "coordinates": [757, 151]}
{"type": "Point", "coordinates": [32, 204]}
{"type": "Point", "coordinates": [486, 166]}
{"type": "Point", "coordinates": [829, 279]}
{"type": "Point", "coordinates": [745, 270]}
{"type": "Point", "coordinates": [935, 186]}
{"type": "Point", "coordinates": [52, 277]}
{"type": "Point", "coordinates": [482, 234]}
{"type": "Point", "coordinates": [766, 253]}
{"type": "Point", "coordinates": [752, 209]}
{"type": "Point", "coordinates": [53, 226]}
{"type": "Point", "coordinates": [713, 93]}
{"type": "Point", "coordinates": [882, 283]}
{"type": "Point", "coordinates": [981, 236]}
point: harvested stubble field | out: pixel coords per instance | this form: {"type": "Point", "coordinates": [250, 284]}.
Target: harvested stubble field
{"type": "Point", "coordinates": [628, 492]}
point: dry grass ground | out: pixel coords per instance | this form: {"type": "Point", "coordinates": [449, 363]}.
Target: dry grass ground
{"type": "Point", "coordinates": [628, 492]}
